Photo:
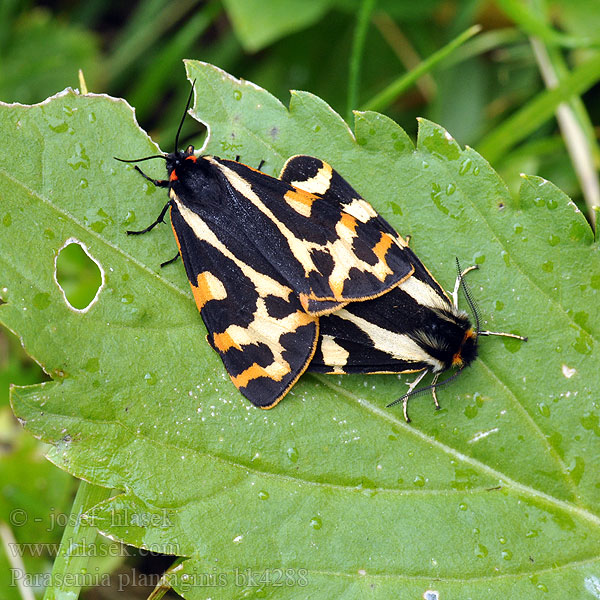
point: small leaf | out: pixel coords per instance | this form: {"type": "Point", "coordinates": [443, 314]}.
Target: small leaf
{"type": "Point", "coordinates": [258, 23]}
{"type": "Point", "coordinates": [330, 491]}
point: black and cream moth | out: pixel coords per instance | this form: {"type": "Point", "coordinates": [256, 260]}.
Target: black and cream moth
{"type": "Point", "coordinates": [284, 269]}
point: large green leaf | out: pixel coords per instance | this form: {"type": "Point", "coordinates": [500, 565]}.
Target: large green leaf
{"type": "Point", "coordinates": [495, 495]}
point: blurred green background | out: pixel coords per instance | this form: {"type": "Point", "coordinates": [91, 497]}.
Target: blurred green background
{"type": "Point", "coordinates": [490, 92]}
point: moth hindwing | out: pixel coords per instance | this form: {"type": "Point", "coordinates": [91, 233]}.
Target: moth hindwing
{"type": "Point", "coordinates": [414, 327]}
{"type": "Point", "coordinates": [265, 257]}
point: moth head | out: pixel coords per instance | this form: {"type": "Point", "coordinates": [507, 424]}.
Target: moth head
{"type": "Point", "coordinates": [177, 159]}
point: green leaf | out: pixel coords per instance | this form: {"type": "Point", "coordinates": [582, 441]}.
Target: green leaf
{"type": "Point", "coordinates": [330, 494]}
{"type": "Point", "coordinates": [257, 23]}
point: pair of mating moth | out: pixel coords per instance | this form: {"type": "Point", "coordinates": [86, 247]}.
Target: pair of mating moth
{"type": "Point", "coordinates": [301, 273]}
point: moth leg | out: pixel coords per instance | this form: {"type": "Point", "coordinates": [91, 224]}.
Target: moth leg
{"type": "Point", "coordinates": [172, 260]}
{"type": "Point", "coordinates": [260, 165]}
{"type": "Point", "coordinates": [511, 335]}
{"type": "Point", "coordinates": [404, 398]}
{"type": "Point", "coordinates": [457, 283]}
{"type": "Point", "coordinates": [157, 182]}
{"type": "Point", "coordinates": [161, 219]}
{"type": "Point", "coordinates": [434, 392]}
{"type": "Point", "coordinates": [407, 239]}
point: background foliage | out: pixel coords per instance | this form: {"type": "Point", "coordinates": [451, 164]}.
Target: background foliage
{"type": "Point", "coordinates": [489, 94]}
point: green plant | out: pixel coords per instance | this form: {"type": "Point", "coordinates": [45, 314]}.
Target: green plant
{"type": "Point", "coordinates": [491, 492]}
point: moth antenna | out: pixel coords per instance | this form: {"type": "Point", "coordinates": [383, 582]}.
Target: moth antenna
{"type": "Point", "coordinates": [187, 106]}
{"type": "Point", "coordinates": [467, 293]}
{"type": "Point", "coordinates": [139, 159]}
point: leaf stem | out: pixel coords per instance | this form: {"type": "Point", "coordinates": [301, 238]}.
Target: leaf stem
{"type": "Point", "coordinates": [528, 21]}
{"type": "Point", "coordinates": [358, 43]}
{"type": "Point", "coordinates": [69, 569]}
{"type": "Point", "coordinates": [382, 100]}
{"type": "Point", "coordinates": [537, 111]}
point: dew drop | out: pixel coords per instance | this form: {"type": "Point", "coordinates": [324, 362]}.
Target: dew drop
{"type": "Point", "coordinates": [41, 301]}
{"type": "Point", "coordinates": [548, 266]}
{"type": "Point", "coordinates": [465, 167]}
{"type": "Point", "coordinates": [57, 125]}
{"type": "Point", "coordinates": [292, 454]}
{"type": "Point", "coordinates": [543, 409]}
{"type": "Point", "coordinates": [419, 481]}
{"type": "Point", "coordinates": [237, 95]}
{"type": "Point", "coordinates": [470, 411]}
{"type": "Point", "coordinates": [129, 218]}
{"type": "Point", "coordinates": [92, 365]}
{"type": "Point", "coordinates": [79, 159]}
{"type": "Point", "coordinates": [584, 343]}
{"type": "Point", "coordinates": [532, 533]}
{"type": "Point", "coordinates": [316, 523]}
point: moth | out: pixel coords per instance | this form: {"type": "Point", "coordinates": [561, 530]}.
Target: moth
{"type": "Point", "coordinates": [415, 327]}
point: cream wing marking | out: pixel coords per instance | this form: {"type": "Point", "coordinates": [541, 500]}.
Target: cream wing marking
{"type": "Point", "coordinates": [333, 354]}
{"type": "Point", "coordinates": [424, 294]}
{"type": "Point", "coordinates": [266, 284]}
{"type": "Point", "coordinates": [397, 345]}
{"type": "Point", "coordinates": [318, 184]}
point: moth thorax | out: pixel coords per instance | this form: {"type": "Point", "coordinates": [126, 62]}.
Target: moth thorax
{"type": "Point", "coordinates": [467, 352]}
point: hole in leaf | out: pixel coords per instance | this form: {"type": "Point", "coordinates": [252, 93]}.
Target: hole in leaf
{"type": "Point", "coordinates": [79, 276]}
